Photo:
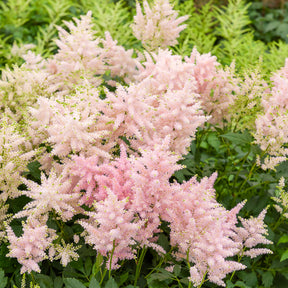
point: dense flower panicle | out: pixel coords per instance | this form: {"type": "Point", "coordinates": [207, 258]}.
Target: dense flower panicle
{"type": "Point", "coordinates": [158, 26]}
{"type": "Point", "coordinates": [13, 158]}
{"type": "Point", "coordinates": [147, 118]}
{"type": "Point", "coordinates": [65, 252]}
{"type": "Point", "coordinates": [20, 88]}
{"type": "Point", "coordinates": [84, 57]}
{"type": "Point", "coordinates": [72, 124]}
{"type": "Point", "coordinates": [162, 71]}
{"type": "Point", "coordinates": [215, 85]}
{"type": "Point", "coordinates": [111, 229]}
{"type": "Point", "coordinates": [120, 62]}
{"type": "Point", "coordinates": [251, 234]}
{"type": "Point", "coordinates": [202, 227]}
{"type": "Point", "coordinates": [29, 249]}
{"type": "Point", "coordinates": [95, 178]}
{"type": "Point", "coordinates": [51, 194]}
{"type": "Point", "coordinates": [79, 55]}
{"type": "Point", "coordinates": [271, 127]}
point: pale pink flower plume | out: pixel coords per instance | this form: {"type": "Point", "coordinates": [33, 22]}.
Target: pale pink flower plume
{"type": "Point", "coordinates": [146, 118]}
{"type": "Point", "coordinates": [29, 249]}
{"type": "Point", "coordinates": [111, 229]}
{"type": "Point", "coordinates": [95, 178]}
{"type": "Point", "coordinates": [72, 125]}
{"type": "Point", "coordinates": [158, 26]}
{"type": "Point", "coordinates": [271, 127]}
{"type": "Point", "coordinates": [214, 84]}
{"type": "Point", "coordinates": [120, 62]}
{"type": "Point", "coordinates": [194, 211]}
{"type": "Point", "coordinates": [251, 234]}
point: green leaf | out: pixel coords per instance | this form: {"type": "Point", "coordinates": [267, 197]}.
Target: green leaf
{"type": "Point", "coordinates": [58, 282]}
{"type": "Point", "coordinates": [267, 279]}
{"type": "Point", "coordinates": [44, 281]}
{"type": "Point", "coordinates": [239, 284]}
{"type": "Point", "coordinates": [3, 279]}
{"type": "Point", "coordinates": [88, 265]}
{"type": "Point", "coordinates": [123, 278]}
{"type": "Point", "coordinates": [177, 270]}
{"type": "Point", "coordinates": [73, 283]}
{"type": "Point", "coordinates": [249, 278]}
{"type": "Point", "coordinates": [97, 265]}
{"type": "Point", "coordinates": [157, 284]}
{"type": "Point", "coordinates": [271, 26]}
{"type": "Point", "coordinates": [111, 283]}
{"type": "Point", "coordinates": [160, 276]}
{"type": "Point", "coordinates": [94, 283]}
{"type": "Point", "coordinates": [284, 256]}
{"type": "Point", "coordinates": [283, 239]}
{"type": "Point", "coordinates": [214, 141]}
{"type": "Point", "coordinates": [164, 242]}
{"type": "Point", "coordinates": [237, 138]}
{"type": "Point", "coordinates": [34, 168]}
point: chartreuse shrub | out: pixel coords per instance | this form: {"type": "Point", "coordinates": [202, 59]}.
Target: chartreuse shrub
{"type": "Point", "coordinates": [140, 167]}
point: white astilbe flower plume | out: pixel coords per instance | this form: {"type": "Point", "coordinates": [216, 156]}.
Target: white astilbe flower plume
{"type": "Point", "coordinates": [52, 194]}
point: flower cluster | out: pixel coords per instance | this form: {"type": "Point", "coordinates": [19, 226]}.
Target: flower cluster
{"type": "Point", "coordinates": [158, 27]}
{"type": "Point", "coordinates": [113, 148]}
{"type": "Point", "coordinates": [271, 127]}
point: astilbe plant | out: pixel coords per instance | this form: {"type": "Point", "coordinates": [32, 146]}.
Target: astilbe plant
{"type": "Point", "coordinates": [271, 127]}
{"type": "Point", "coordinates": [122, 200]}
{"type": "Point", "coordinates": [158, 26]}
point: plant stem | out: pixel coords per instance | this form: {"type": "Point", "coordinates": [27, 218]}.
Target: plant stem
{"type": "Point", "coordinates": [139, 264]}
{"type": "Point", "coordinates": [203, 280]}
{"type": "Point", "coordinates": [111, 256]}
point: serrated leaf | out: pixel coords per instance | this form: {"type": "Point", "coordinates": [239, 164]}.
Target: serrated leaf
{"type": "Point", "coordinates": [271, 26]}
{"type": "Point", "coordinates": [284, 256]}
{"type": "Point", "coordinates": [160, 276]}
{"type": "Point", "coordinates": [123, 278]}
{"type": "Point", "coordinates": [88, 265]}
{"type": "Point", "coordinates": [73, 283]}
{"type": "Point", "coordinates": [283, 239]}
{"type": "Point", "coordinates": [58, 282]}
{"type": "Point", "coordinates": [44, 281]}
{"type": "Point", "coordinates": [94, 283]}
{"type": "Point", "coordinates": [177, 270]}
{"type": "Point", "coordinates": [157, 284]}
{"type": "Point", "coordinates": [249, 278]}
{"type": "Point", "coordinates": [267, 279]}
{"type": "Point", "coordinates": [111, 283]}
{"type": "Point", "coordinates": [97, 265]}
{"type": "Point", "coordinates": [3, 279]}
{"type": "Point", "coordinates": [237, 138]}
{"type": "Point", "coordinates": [214, 141]}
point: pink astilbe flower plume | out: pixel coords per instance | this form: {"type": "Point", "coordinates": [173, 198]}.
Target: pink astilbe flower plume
{"type": "Point", "coordinates": [214, 84]}
{"type": "Point", "coordinates": [95, 178]}
{"type": "Point", "coordinates": [271, 127]}
{"type": "Point", "coordinates": [251, 234]}
{"type": "Point", "coordinates": [111, 228]}
{"type": "Point", "coordinates": [158, 26]}
{"type": "Point", "coordinates": [29, 249]}
{"type": "Point", "coordinates": [202, 228]}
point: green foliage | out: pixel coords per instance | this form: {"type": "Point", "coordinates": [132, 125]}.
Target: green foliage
{"type": "Point", "coordinates": [269, 24]}
{"type": "Point", "coordinates": [113, 17]}
{"type": "Point", "coordinates": [199, 31]}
